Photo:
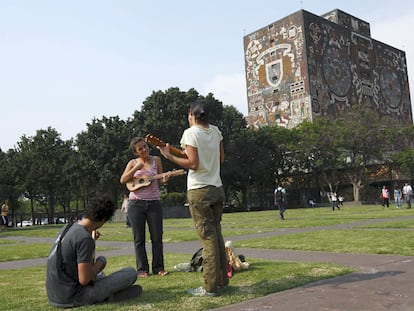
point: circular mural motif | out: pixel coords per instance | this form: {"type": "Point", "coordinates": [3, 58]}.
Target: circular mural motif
{"type": "Point", "coordinates": [336, 71]}
{"type": "Point", "coordinates": [390, 87]}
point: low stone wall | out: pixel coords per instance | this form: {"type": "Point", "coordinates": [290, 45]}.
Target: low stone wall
{"type": "Point", "coordinates": [176, 212]}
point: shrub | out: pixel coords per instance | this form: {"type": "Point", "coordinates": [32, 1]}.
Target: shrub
{"type": "Point", "coordinates": [174, 199]}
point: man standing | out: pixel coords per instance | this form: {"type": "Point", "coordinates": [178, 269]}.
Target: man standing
{"type": "Point", "coordinates": [334, 200]}
{"type": "Point", "coordinates": [280, 200]}
{"type": "Point", "coordinates": [407, 193]}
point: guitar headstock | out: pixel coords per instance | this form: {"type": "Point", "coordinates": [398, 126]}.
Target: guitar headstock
{"type": "Point", "coordinates": [154, 140]}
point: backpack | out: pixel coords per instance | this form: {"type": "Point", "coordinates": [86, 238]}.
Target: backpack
{"type": "Point", "coordinates": [196, 261]}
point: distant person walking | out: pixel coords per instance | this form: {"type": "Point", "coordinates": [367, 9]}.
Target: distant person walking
{"type": "Point", "coordinates": [334, 200]}
{"type": "Point", "coordinates": [341, 200]}
{"type": "Point", "coordinates": [385, 196]}
{"type": "Point", "coordinates": [280, 200]}
{"type": "Point", "coordinates": [407, 193]}
{"type": "Point", "coordinates": [124, 209]}
{"type": "Point", "coordinates": [397, 197]}
{"type": "Point", "coordinates": [4, 221]}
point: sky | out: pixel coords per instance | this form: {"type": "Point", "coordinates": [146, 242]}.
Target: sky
{"type": "Point", "coordinates": [64, 63]}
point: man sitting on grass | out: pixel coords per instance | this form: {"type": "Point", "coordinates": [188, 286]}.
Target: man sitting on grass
{"type": "Point", "coordinates": [73, 276]}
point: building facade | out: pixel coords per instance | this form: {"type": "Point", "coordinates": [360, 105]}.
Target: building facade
{"type": "Point", "coordinates": [304, 66]}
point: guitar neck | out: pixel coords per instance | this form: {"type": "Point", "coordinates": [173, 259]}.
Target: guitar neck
{"type": "Point", "coordinates": [155, 177]}
{"type": "Point", "coordinates": [177, 152]}
{"type": "Point", "coordinates": [168, 174]}
{"type": "Point", "coordinates": [159, 143]}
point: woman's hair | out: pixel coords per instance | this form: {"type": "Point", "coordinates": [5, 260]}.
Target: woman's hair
{"type": "Point", "coordinates": [135, 141]}
{"type": "Point", "coordinates": [199, 108]}
{"type": "Point", "coordinates": [100, 208]}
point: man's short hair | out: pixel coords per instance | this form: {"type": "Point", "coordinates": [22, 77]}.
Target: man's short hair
{"type": "Point", "coordinates": [100, 209]}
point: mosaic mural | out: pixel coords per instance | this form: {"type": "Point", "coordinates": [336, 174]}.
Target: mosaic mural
{"type": "Point", "coordinates": [306, 65]}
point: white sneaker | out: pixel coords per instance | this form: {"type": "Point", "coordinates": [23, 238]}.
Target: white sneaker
{"type": "Point", "coordinates": [200, 292]}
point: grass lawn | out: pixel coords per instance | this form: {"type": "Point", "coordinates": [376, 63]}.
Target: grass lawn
{"type": "Point", "coordinates": [24, 289]}
{"type": "Point", "coordinates": [354, 229]}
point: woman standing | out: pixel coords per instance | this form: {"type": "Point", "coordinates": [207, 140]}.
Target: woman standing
{"type": "Point", "coordinates": [385, 195]}
{"type": "Point", "coordinates": [4, 215]}
{"type": "Point", "coordinates": [144, 206]}
{"type": "Point", "coordinates": [397, 197]}
{"type": "Point", "coordinates": [204, 149]}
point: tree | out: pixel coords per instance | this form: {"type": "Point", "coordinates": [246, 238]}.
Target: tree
{"type": "Point", "coordinates": [40, 163]}
{"type": "Point", "coordinates": [254, 160]}
{"type": "Point", "coordinates": [403, 157]}
{"type": "Point", "coordinates": [164, 115]}
{"type": "Point", "coordinates": [70, 183]}
{"type": "Point", "coordinates": [316, 152]}
{"type": "Point", "coordinates": [237, 169]}
{"type": "Point", "coordinates": [103, 153]}
{"type": "Point", "coordinates": [10, 188]}
{"type": "Point", "coordinates": [405, 161]}
{"type": "Point", "coordinates": [362, 145]}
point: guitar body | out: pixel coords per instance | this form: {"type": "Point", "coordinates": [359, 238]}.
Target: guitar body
{"type": "Point", "coordinates": [144, 181]}
{"type": "Point", "coordinates": [159, 143]}
{"type": "Point", "coordinates": [138, 183]}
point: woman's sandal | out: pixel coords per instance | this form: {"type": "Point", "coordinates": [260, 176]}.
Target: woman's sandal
{"type": "Point", "coordinates": [162, 273]}
{"type": "Point", "coordinates": [143, 275]}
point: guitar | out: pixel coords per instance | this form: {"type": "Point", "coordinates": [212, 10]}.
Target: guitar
{"type": "Point", "coordinates": [159, 143]}
{"type": "Point", "coordinates": [143, 181]}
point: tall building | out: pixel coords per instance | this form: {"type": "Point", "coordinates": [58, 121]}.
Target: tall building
{"type": "Point", "coordinates": [304, 66]}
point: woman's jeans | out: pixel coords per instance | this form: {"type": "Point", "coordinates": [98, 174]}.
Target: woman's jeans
{"type": "Point", "coordinates": [141, 212]}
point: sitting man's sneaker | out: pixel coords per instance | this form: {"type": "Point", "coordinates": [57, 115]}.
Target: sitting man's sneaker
{"type": "Point", "coordinates": [201, 292]}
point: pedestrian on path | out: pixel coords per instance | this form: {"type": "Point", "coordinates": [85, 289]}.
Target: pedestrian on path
{"type": "Point", "coordinates": [340, 200]}
{"type": "Point", "coordinates": [280, 200]}
{"type": "Point", "coordinates": [385, 196]}
{"type": "Point", "coordinates": [397, 197]}
{"type": "Point", "coordinates": [334, 200]}
{"type": "Point", "coordinates": [4, 221]}
{"type": "Point", "coordinates": [407, 192]}
{"type": "Point", "coordinates": [124, 209]}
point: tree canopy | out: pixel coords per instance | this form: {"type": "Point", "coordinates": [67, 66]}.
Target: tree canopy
{"type": "Point", "coordinates": [321, 154]}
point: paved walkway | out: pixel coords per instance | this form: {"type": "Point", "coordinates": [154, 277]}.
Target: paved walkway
{"type": "Point", "coordinates": [382, 282]}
